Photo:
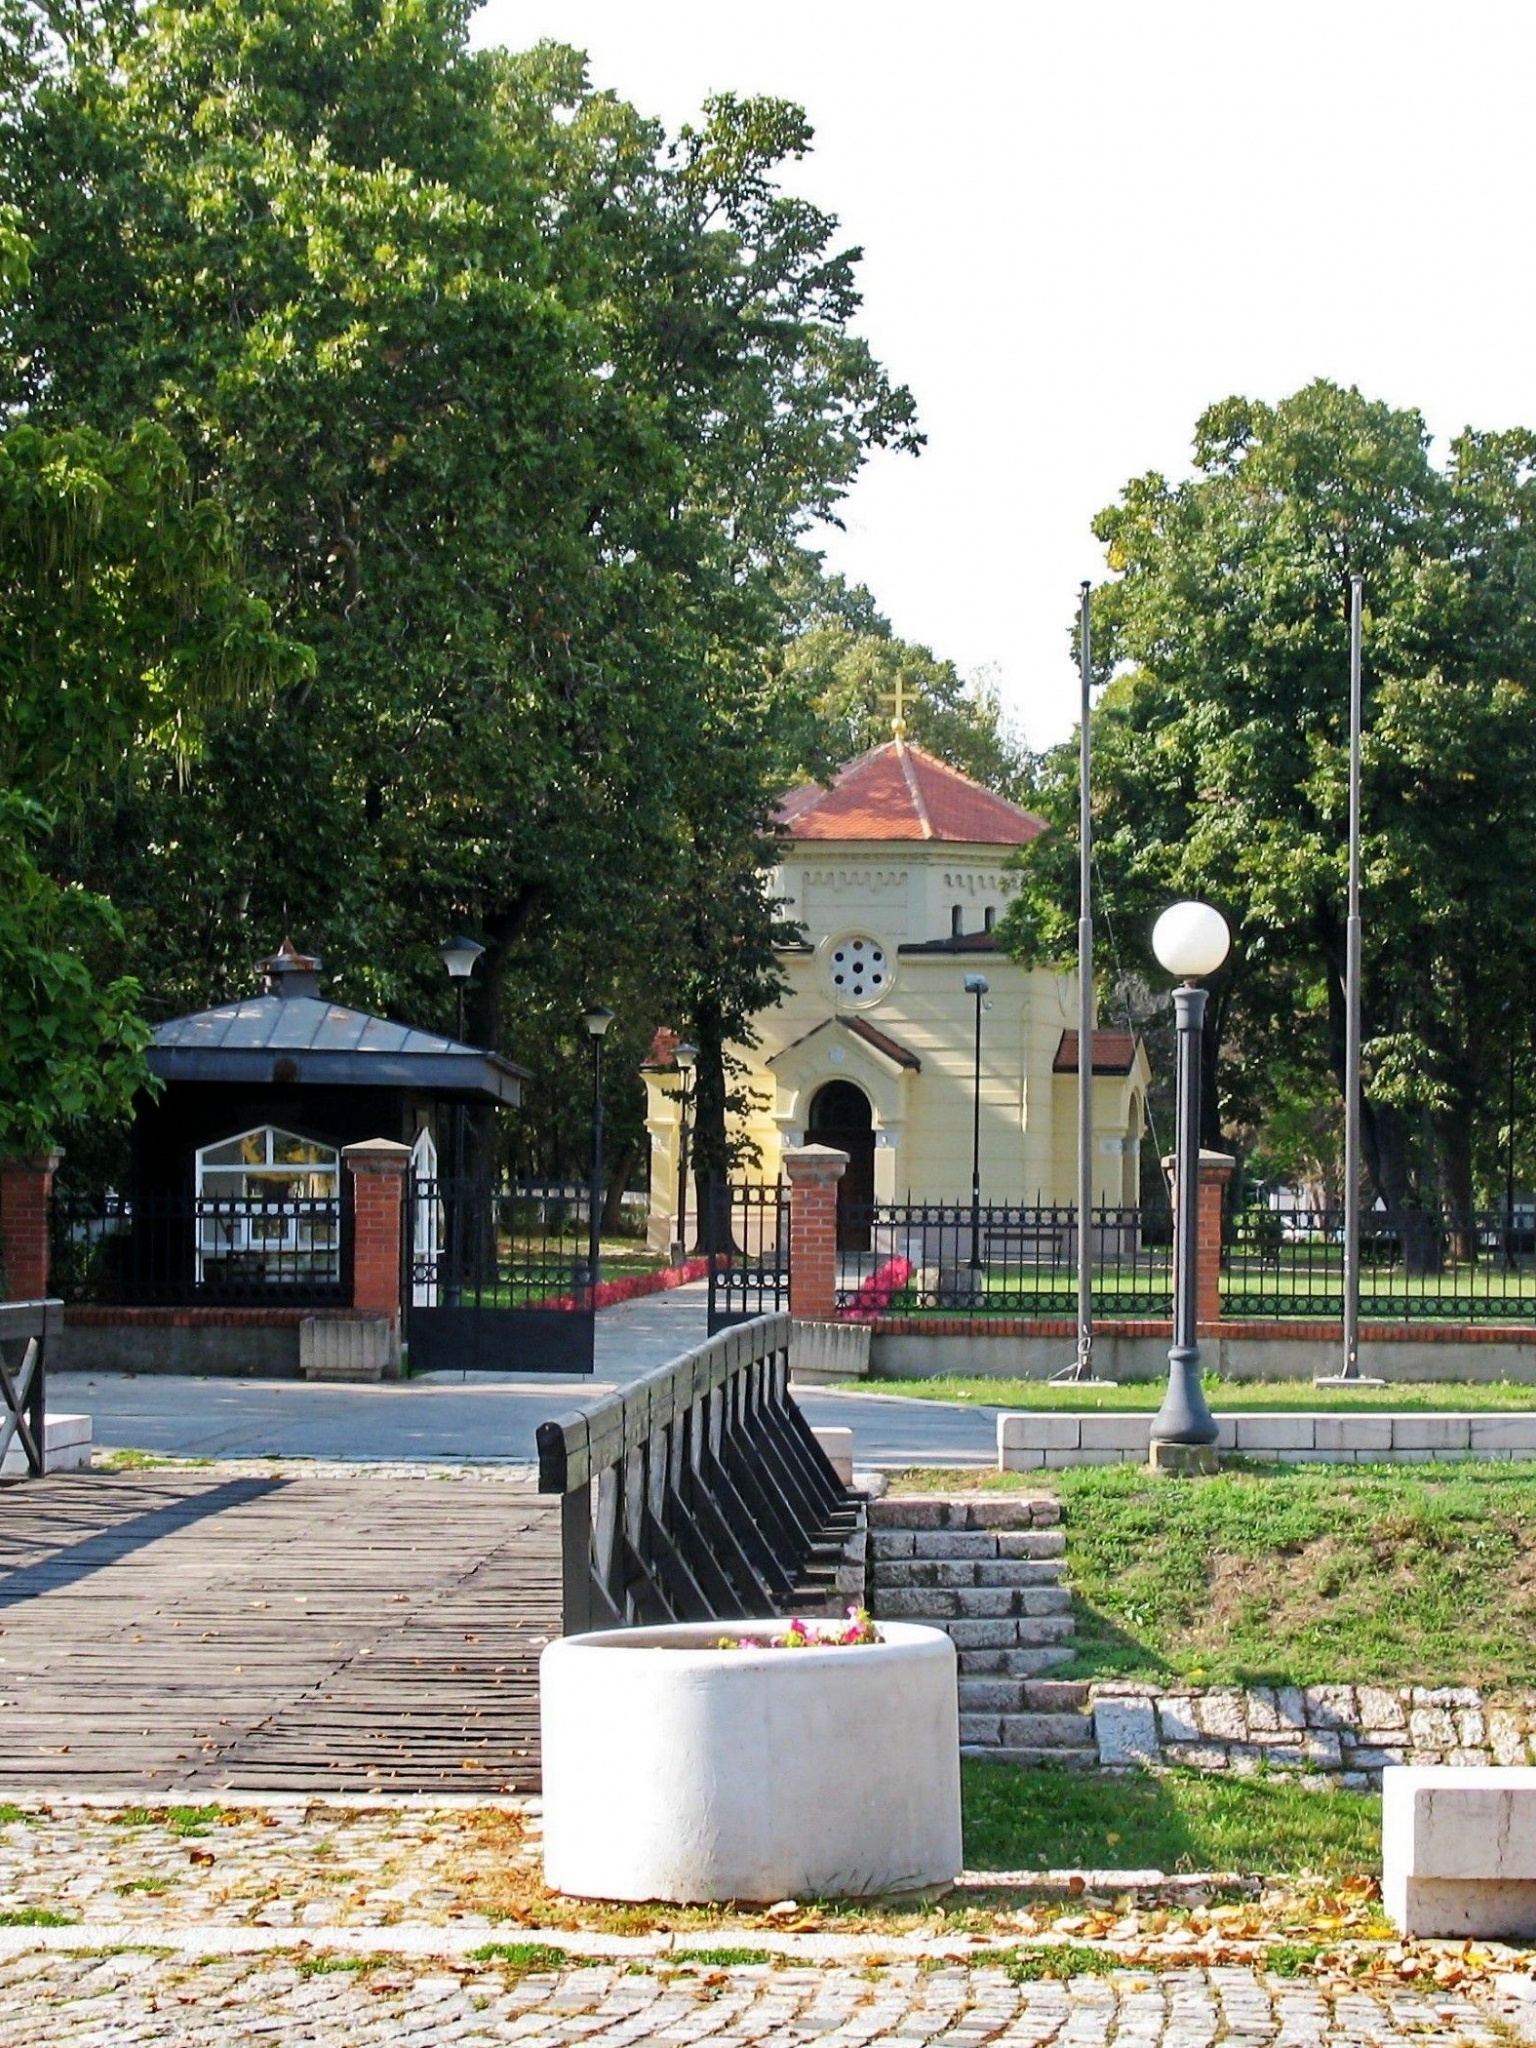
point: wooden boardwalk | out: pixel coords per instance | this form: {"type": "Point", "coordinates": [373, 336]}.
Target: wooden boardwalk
{"type": "Point", "coordinates": [168, 1630]}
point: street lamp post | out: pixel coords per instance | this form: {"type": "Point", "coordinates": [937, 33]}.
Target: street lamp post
{"type": "Point", "coordinates": [596, 1020]}
{"type": "Point", "coordinates": [976, 985]}
{"type": "Point", "coordinates": [1189, 939]}
{"type": "Point", "coordinates": [458, 956]}
{"type": "Point", "coordinates": [686, 1057]}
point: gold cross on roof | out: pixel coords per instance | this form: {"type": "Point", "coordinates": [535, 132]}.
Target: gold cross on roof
{"type": "Point", "coordinates": [897, 698]}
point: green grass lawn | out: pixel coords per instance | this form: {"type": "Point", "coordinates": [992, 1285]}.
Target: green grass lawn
{"type": "Point", "coordinates": [1297, 1575]}
{"type": "Point", "coordinates": [1225, 1396]}
{"type": "Point", "coordinates": [1177, 1821]}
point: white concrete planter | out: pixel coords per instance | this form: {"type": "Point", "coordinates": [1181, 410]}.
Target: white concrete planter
{"type": "Point", "coordinates": [677, 1771]}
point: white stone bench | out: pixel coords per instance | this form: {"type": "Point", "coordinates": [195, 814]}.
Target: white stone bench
{"type": "Point", "coordinates": [1458, 1850]}
{"type": "Point", "coordinates": [66, 1447]}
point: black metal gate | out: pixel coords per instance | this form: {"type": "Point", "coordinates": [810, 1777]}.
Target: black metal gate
{"type": "Point", "coordinates": [746, 1234]}
{"type": "Point", "coordinates": [498, 1278]}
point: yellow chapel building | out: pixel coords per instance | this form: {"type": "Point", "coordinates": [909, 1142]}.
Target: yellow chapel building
{"type": "Point", "coordinates": [896, 875]}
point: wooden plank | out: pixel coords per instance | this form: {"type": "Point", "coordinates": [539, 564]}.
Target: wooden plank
{"type": "Point", "coordinates": [171, 1629]}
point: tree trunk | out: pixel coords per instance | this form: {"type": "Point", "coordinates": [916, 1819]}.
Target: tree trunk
{"type": "Point", "coordinates": [618, 1180]}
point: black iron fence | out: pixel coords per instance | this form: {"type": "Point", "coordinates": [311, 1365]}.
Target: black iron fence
{"type": "Point", "coordinates": [1415, 1266]}
{"type": "Point", "coordinates": [698, 1493]}
{"type": "Point", "coordinates": [952, 1258]}
{"type": "Point", "coordinates": [746, 1237]}
{"type": "Point", "coordinates": [184, 1249]}
{"type": "Point", "coordinates": [498, 1277]}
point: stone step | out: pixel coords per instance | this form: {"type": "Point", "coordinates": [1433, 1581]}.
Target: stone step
{"type": "Point", "coordinates": [1002, 1695]}
{"type": "Point", "coordinates": [1016, 1632]}
{"type": "Point", "coordinates": [944, 1604]}
{"type": "Point", "coordinates": [1005, 1719]}
{"type": "Point", "coordinates": [966, 1571]}
{"type": "Point", "coordinates": [899, 1545]}
{"type": "Point", "coordinates": [1032, 1759]}
{"type": "Point", "coordinates": [1016, 1663]}
{"type": "Point", "coordinates": [926, 1511]}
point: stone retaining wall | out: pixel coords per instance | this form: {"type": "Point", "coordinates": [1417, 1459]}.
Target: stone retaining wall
{"type": "Point", "coordinates": [1043, 1439]}
{"type": "Point", "coordinates": [1326, 1734]}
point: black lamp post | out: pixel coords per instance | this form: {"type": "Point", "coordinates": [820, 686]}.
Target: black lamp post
{"type": "Point", "coordinates": [596, 1020]}
{"type": "Point", "coordinates": [976, 985]}
{"type": "Point", "coordinates": [686, 1057]}
{"type": "Point", "coordinates": [458, 956]}
{"type": "Point", "coordinates": [1189, 939]}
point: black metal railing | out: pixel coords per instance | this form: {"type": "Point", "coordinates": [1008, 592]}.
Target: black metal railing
{"type": "Point", "coordinates": [1415, 1266]}
{"type": "Point", "coordinates": [999, 1259]}
{"type": "Point", "coordinates": [25, 1330]}
{"type": "Point", "coordinates": [746, 1237]}
{"type": "Point", "coordinates": [696, 1494]}
{"type": "Point", "coordinates": [182, 1249]}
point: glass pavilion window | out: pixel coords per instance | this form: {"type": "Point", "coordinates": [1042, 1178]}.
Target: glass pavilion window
{"type": "Point", "coordinates": [268, 1210]}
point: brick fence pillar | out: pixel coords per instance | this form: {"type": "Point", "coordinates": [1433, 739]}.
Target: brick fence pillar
{"type": "Point", "coordinates": [813, 1172]}
{"type": "Point", "coordinates": [378, 1168]}
{"type": "Point", "coordinates": [26, 1190]}
{"type": "Point", "coordinates": [1216, 1170]}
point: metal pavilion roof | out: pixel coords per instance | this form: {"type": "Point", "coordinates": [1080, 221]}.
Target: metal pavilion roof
{"type": "Point", "coordinates": [316, 1042]}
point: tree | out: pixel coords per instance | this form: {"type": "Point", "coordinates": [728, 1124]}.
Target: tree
{"type": "Point", "coordinates": [1221, 749]}
{"type": "Point", "coordinates": [522, 413]}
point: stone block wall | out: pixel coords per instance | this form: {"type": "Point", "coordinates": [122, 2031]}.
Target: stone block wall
{"type": "Point", "coordinates": [1326, 1734]}
{"type": "Point", "coordinates": [1043, 1440]}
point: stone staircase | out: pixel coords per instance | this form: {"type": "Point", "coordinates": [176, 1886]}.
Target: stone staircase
{"type": "Point", "coordinates": [988, 1572]}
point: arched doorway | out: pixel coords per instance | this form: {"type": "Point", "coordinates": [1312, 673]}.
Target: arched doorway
{"type": "Point", "coordinates": [841, 1116]}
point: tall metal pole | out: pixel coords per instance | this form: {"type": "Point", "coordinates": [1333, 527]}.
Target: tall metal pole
{"type": "Point", "coordinates": [1184, 1417]}
{"type": "Point", "coordinates": [1351, 1369]}
{"type": "Point", "coordinates": [978, 988]}
{"type": "Point", "coordinates": [682, 1172]}
{"type": "Point", "coordinates": [595, 1190]}
{"type": "Point", "coordinates": [1086, 1006]}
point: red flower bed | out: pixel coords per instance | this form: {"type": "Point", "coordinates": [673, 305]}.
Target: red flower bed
{"type": "Point", "coordinates": [609, 1293]}
{"type": "Point", "coordinates": [874, 1295]}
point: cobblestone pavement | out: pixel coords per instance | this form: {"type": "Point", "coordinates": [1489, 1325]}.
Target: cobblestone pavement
{"type": "Point", "coordinates": [126, 1997]}
{"type": "Point", "coordinates": [319, 1923]}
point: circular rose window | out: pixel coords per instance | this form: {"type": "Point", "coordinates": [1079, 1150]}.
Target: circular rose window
{"type": "Point", "coordinates": [858, 969]}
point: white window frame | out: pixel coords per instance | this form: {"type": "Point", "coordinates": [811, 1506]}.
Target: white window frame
{"type": "Point", "coordinates": [234, 1229]}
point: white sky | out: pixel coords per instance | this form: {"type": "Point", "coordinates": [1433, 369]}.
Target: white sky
{"type": "Point", "coordinates": [1084, 223]}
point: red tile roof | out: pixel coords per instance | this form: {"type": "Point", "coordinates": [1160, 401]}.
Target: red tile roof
{"type": "Point", "coordinates": [1114, 1052]}
{"type": "Point", "coordinates": [899, 792]}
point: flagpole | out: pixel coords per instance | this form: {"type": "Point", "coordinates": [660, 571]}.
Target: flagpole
{"type": "Point", "coordinates": [1350, 1373]}
{"type": "Point", "coordinates": [1081, 1370]}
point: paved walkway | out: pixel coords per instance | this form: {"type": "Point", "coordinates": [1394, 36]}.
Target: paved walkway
{"type": "Point", "coordinates": [441, 1416]}
{"type": "Point", "coordinates": [129, 1997]}
{"type": "Point", "coordinates": [335, 1926]}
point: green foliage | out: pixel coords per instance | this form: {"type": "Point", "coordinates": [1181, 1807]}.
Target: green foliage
{"type": "Point", "coordinates": [520, 413]}
{"type": "Point", "coordinates": [1221, 759]}
{"type": "Point", "coordinates": [1229, 1397]}
{"type": "Point", "coordinates": [71, 1038]}
{"type": "Point", "coordinates": [1173, 1821]}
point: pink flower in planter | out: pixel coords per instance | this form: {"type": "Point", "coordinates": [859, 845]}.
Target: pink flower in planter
{"type": "Point", "coordinates": [800, 1635]}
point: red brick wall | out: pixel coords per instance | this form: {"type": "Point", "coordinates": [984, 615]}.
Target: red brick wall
{"type": "Point", "coordinates": [813, 1172]}
{"type": "Point", "coordinates": [26, 1187]}
{"type": "Point", "coordinates": [378, 1171]}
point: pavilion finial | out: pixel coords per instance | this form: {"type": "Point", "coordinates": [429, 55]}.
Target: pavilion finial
{"type": "Point", "coordinates": [897, 699]}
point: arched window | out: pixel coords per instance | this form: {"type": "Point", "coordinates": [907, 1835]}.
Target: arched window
{"type": "Point", "coordinates": [268, 1210]}
{"type": "Point", "coordinates": [957, 921]}
{"type": "Point", "coordinates": [989, 918]}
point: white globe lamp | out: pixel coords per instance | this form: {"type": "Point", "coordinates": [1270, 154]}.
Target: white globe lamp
{"type": "Point", "coordinates": [1191, 939]}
